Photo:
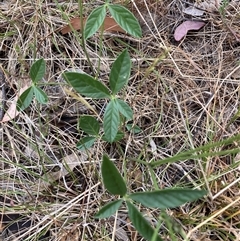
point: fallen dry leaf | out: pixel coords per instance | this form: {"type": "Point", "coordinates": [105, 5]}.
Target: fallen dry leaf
{"type": "Point", "coordinates": [183, 28]}
{"type": "Point", "coordinates": [193, 11]}
{"type": "Point", "coordinates": [210, 5]}
{"type": "Point", "coordinates": [12, 112]}
{"type": "Point", "coordinates": [109, 25]}
{"type": "Point", "coordinates": [200, 7]}
{"type": "Point", "coordinates": [70, 162]}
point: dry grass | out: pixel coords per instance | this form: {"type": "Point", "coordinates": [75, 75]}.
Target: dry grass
{"type": "Point", "coordinates": [186, 99]}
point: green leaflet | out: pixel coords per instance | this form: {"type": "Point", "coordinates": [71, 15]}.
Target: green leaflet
{"type": "Point", "coordinates": [118, 137]}
{"type": "Point", "coordinates": [167, 198]}
{"type": "Point", "coordinates": [111, 121]}
{"type": "Point", "coordinates": [109, 209]}
{"type": "Point", "coordinates": [89, 125]}
{"type": "Point", "coordinates": [112, 179]}
{"type": "Point", "coordinates": [140, 223]}
{"type": "Point", "coordinates": [120, 72]}
{"type": "Point", "coordinates": [94, 21]}
{"type": "Point", "coordinates": [124, 109]}
{"type": "Point", "coordinates": [86, 142]}
{"type": "Point", "coordinates": [87, 85]}
{"type": "Point", "coordinates": [133, 128]}
{"type": "Point", "coordinates": [25, 99]}
{"type": "Point", "coordinates": [125, 19]}
{"type": "Point", "coordinates": [40, 95]}
{"type": "Point", "coordinates": [37, 70]}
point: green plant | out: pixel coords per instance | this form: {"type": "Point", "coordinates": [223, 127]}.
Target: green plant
{"type": "Point", "coordinates": [115, 109]}
{"type": "Point", "coordinates": [37, 72]}
{"type": "Point", "coordinates": [167, 198]}
{"type": "Point", "coordinates": [119, 75]}
{"type": "Point", "coordinates": [116, 115]}
{"type": "Point", "coordinates": [122, 16]}
{"type": "Point", "coordinates": [90, 87]}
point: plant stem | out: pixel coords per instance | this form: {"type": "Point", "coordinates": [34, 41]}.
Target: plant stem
{"type": "Point", "coordinates": [80, 4]}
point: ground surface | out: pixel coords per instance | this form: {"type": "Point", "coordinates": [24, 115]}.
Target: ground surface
{"type": "Point", "coordinates": [184, 94]}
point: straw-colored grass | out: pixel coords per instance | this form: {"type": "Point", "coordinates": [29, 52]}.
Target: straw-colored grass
{"type": "Point", "coordinates": [184, 95]}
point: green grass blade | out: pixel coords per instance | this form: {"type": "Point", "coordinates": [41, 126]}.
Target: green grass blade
{"type": "Point", "coordinates": [109, 209]}
{"type": "Point", "coordinates": [40, 95]}
{"type": "Point", "coordinates": [25, 99]}
{"type": "Point", "coordinates": [140, 223]}
{"type": "Point", "coordinates": [120, 72]}
{"type": "Point", "coordinates": [111, 121]}
{"type": "Point", "coordinates": [94, 21]}
{"type": "Point", "coordinates": [124, 109]}
{"type": "Point", "coordinates": [89, 125]}
{"type": "Point", "coordinates": [87, 85]}
{"type": "Point", "coordinates": [168, 198]}
{"type": "Point", "coordinates": [126, 20]}
{"type": "Point", "coordinates": [205, 149]}
{"type": "Point", "coordinates": [112, 179]}
{"type": "Point", "coordinates": [37, 70]}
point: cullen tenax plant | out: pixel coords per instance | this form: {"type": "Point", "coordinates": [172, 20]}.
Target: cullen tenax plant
{"type": "Point", "coordinates": [93, 88]}
{"type": "Point", "coordinates": [116, 114]}
{"type": "Point", "coordinates": [37, 72]}
{"type": "Point", "coordinates": [163, 199]}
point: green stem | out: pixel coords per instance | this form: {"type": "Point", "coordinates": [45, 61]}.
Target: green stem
{"type": "Point", "coordinates": [154, 180]}
{"type": "Point", "coordinates": [100, 50]}
{"type": "Point", "coordinates": [125, 173]}
{"type": "Point", "coordinates": [169, 223]}
{"type": "Point", "coordinates": [80, 4]}
{"type": "Point", "coordinates": [139, 161]}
